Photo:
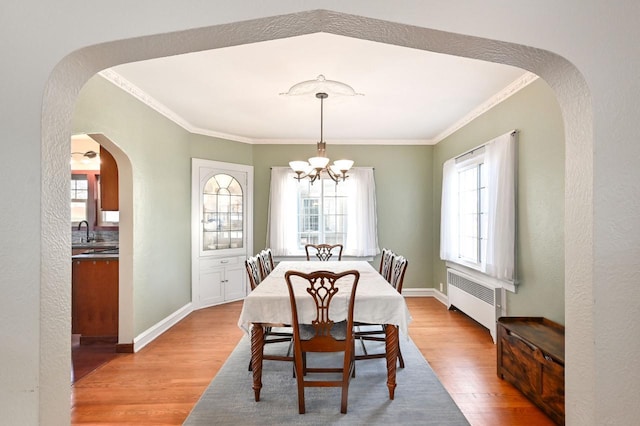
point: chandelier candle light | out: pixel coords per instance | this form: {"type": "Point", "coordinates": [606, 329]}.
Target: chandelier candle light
{"type": "Point", "coordinates": [314, 167]}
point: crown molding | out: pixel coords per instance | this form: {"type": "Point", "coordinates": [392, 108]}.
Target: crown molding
{"type": "Point", "coordinates": [519, 84]}
{"type": "Point", "coordinates": [133, 90]}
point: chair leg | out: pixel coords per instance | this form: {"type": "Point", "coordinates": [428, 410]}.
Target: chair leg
{"type": "Point", "coordinates": [400, 359]}
{"type": "Point", "coordinates": [300, 382]}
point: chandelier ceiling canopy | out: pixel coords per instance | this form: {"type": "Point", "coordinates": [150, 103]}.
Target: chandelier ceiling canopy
{"type": "Point", "coordinates": [315, 166]}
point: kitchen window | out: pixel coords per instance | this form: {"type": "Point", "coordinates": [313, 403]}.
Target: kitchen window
{"type": "Point", "coordinates": [85, 201]}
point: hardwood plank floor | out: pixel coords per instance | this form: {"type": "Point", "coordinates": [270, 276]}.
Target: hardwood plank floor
{"type": "Point", "coordinates": [160, 384]}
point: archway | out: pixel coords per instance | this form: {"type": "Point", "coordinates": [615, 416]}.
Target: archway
{"type": "Point", "coordinates": [125, 184]}
{"type": "Point", "coordinates": [73, 71]}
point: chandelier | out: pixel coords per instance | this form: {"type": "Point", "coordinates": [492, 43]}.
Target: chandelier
{"type": "Point", "coordinates": [315, 166]}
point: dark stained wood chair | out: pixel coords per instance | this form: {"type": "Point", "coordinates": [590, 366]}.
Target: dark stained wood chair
{"type": "Point", "coordinates": [323, 334]}
{"type": "Point", "coordinates": [265, 258]}
{"type": "Point", "coordinates": [252, 265]}
{"type": "Point", "coordinates": [376, 331]}
{"type": "Point", "coordinates": [324, 252]}
{"type": "Point", "coordinates": [386, 262]}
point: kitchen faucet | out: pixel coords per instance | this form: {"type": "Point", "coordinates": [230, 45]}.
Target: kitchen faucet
{"type": "Point", "coordinates": [80, 226]}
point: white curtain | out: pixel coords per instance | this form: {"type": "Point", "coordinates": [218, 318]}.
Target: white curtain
{"type": "Point", "coordinates": [449, 212]}
{"type": "Point", "coordinates": [282, 226]}
{"type": "Point", "coordinates": [500, 160]}
{"type": "Point", "coordinates": [362, 235]}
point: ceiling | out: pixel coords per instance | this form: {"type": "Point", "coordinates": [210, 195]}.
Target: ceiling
{"type": "Point", "coordinates": [410, 96]}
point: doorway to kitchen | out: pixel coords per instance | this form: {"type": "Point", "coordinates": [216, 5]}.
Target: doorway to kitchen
{"type": "Point", "coordinates": [95, 235]}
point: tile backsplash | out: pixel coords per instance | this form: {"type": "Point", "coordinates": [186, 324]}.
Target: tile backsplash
{"type": "Point", "coordinates": [99, 236]}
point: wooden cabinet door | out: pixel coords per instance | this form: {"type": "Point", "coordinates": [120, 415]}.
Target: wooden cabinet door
{"type": "Point", "coordinates": [94, 298]}
{"type": "Point", "coordinates": [108, 181]}
{"type": "Point", "coordinates": [211, 279]}
{"type": "Point", "coordinates": [234, 282]}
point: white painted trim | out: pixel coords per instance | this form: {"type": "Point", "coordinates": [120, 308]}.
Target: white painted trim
{"type": "Point", "coordinates": [150, 334]}
{"type": "Point", "coordinates": [417, 292]}
{"type": "Point", "coordinates": [502, 95]}
{"type": "Point", "coordinates": [124, 84]}
{"type": "Point", "coordinates": [426, 292]}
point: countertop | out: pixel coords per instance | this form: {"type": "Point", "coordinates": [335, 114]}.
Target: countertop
{"type": "Point", "coordinates": [95, 256]}
{"type": "Point", "coordinates": [95, 250]}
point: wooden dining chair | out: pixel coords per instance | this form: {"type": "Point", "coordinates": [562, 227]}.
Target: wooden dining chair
{"type": "Point", "coordinates": [265, 258]}
{"type": "Point", "coordinates": [323, 334]}
{"type": "Point", "coordinates": [386, 262]}
{"type": "Point", "coordinates": [324, 252]}
{"type": "Point", "coordinates": [376, 332]}
{"type": "Point", "coordinates": [271, 335]}
{"type": "Point", "coordinates": [254, 271]}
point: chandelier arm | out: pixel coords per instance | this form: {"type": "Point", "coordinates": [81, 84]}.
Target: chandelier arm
{"type": "Point", "coordinates": [334, 177]}
{"type": "Point", "coordinates": [300, 175]}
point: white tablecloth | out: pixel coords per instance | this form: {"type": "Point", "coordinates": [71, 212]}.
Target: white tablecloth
{"type": "Point", "coordinates": [377, 302]}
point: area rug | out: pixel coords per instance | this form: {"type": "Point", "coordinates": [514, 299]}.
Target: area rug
{"type": "Point", "coordinates": [420, 399]}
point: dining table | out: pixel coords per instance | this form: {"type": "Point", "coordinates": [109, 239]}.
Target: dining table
{"type": "Point", "coordinates": [376, 302]}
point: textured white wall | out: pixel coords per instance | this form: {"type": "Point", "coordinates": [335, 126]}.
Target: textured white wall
{"type": "Point", "coordinates": [597, 88]}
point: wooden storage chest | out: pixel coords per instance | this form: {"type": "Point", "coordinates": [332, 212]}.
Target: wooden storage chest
{"type": "Point", "coordinates": [530, 352]}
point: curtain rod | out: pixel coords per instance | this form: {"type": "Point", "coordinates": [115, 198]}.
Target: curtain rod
{"type": "Point", "coordinates": [479, 147]}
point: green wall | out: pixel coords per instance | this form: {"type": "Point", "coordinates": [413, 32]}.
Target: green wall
{"type": "Point", "coordinates": [403, 193]}
{"type": "Point", "coordinates": [408, 181]}
{"type": "Point", "coordinates": [533, 111]}
{"type": "Point", "coordinates": [160, 154]}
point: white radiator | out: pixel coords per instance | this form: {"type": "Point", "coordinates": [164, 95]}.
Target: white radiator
{"type": "Point", "coordinates": [479, 300]}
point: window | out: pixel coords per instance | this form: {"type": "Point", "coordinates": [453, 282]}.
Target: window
{"type": "Point", "coordinates": [472, 202]}
{"type": "Point", "coordinates": [85, 201]}
{"type": "Point", "coordinates": [79, 198]}
{"type": "Point", "coordinates": [478, 208]}
{"type": "Point", "coordinates": [322, 212]}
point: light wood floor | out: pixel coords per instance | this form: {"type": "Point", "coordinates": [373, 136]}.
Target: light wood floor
{"type": "Point", "coordinates": [160, 384]}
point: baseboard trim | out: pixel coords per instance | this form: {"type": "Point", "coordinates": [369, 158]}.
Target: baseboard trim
{"type": "Point", "coordinates": [426, 292]}
{"type": "Point", "coordinates": [124, 348]}
{"type": "Point", "coordinates": [89, 340]}
{"type": "Point", "coordinates": [149, 335]}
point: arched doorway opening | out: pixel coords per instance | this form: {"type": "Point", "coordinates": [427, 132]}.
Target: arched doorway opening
{"type": "Point", "coordinates": [77, 68]}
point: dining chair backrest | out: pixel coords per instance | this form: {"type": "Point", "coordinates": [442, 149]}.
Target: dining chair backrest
{"type": "Point", "coordinates": [252, 266]}
{"type": "Point", "coordinates": [324, 252]}
{"type": "Point", "coordinates": [324, 334]}
{"type": "Point", "coordinates": [386, 262]}
{"type": "Point", "coordinates": [265, 257]}
{"type": "Point", "coordinates": [400, 264]}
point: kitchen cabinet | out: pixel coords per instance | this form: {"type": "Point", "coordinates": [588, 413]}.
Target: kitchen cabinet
{"type": "Point", "coordinates": [108, 181]}
{"type": "Point", "coordinates": [94, 299]}
{"type": "Point", "coordinates": [221, 280]}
